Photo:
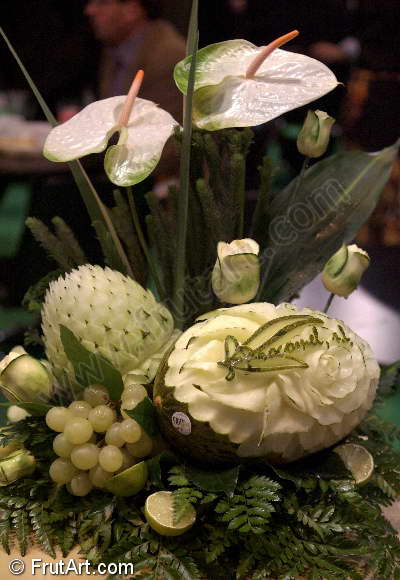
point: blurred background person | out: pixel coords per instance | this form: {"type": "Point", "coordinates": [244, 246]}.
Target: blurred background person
{"type": "Point", "coordinates": [135, 37]}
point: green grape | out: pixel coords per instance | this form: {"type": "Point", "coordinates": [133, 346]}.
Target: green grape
{"type": "Point", "coordinates": [113, 435]}
{"type": "Point", "coordinates": [99, 477]}
{"type": "Point", "coordinates": [131, 397]}
{"type": "Point", "coordinates": [101, 418]}
{"type": "Point", "coordinates": [96, 395]}
{"type": "Point", "coordinates": [110, 458]}
{"type": "Point", "coordinates": [78, 430]}
{"type": "Point", "coordinates": [141, 448]}
{"type": "Point", "coordinates": [80, 409]}
{"type": "Point", "coordinates": [134, 392]}
{"type": "Point", "coordinates": [130, 430]}
{"type": "Point", "coordinates": [80, 485]}
{"type": "Point", "coordinates": [62, 471]}
{"type": "Point", "coordinates": [127, 461]}
{"type": "Point", "coordinates": [57, 417]}
{"type": "Point", "coordinates": [85, 456]}
{"type": "Point", "coordinates": [62, 447]}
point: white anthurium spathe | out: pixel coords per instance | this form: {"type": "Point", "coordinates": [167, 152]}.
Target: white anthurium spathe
{"type": "Point", "coordinates": [140, 144]}
{"type": "Point", "coordinates": [239, 84]}
{"type": "Point", "coordinates": [236, 274]}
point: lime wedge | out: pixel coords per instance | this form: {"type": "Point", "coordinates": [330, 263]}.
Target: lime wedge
{"type": "Point", "coordinates": [130, 481]}
{"type": "Point", "coordinates": [358, 461]}
{"type": "Point", "coordinates": [159, 513]}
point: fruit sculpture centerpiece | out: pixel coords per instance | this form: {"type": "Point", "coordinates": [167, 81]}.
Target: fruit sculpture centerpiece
{"type": "Point", "coordinates": [260, 381]}
{"type": "Point", "coordinates": [207, 426]}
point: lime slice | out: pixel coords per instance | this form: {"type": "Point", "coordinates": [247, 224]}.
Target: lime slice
{"type": "Point", "coordinates": [130, 481]}
{"type": "Point", "coordinates": [159, 513]}
{"type": "Point", "coordinates": [358, 461]}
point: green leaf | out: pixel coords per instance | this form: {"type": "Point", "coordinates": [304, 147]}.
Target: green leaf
{"type": "Point", "coordinates": [91, 368]}
{"type": "Point", "coordinates": [36, 409]}
{"type": "Point", "coordinates": [215, 481]}
{"type": "Point", "coordinates": [335, 198]}
{"type": "Point", "coordinates": [145, 414]}
{"type": "Point", "coordinates": [155, 465]}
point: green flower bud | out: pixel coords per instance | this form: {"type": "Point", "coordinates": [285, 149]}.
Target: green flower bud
{"type": "Point", "coordinates": [23, 378]}
{"type": "Point", "coordinates": [313, 139]}
{"type": "Point", "coordinates": [343, 271]}
{"type": "Point", "coordinates": [15, 414]}
{"type": "Point", "coordinates": [236, 274]}
{"type": "Point", "coordinates": [16, 466]}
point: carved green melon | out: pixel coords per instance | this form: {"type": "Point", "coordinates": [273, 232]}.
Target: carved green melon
{"type": "Point", "coordinates": [259, 381]}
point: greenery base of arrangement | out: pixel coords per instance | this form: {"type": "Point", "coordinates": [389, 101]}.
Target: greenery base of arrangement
{"type": "Point", "coordinates": [306, 519]}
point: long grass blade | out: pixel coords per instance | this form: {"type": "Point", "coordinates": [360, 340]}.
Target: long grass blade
{"type": "Point", "coordinates": [183, 201]}
{"type": "Point", "coordinates": [94, 205]}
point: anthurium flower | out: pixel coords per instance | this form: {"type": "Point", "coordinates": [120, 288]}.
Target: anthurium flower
{"type": "Point", "coordinates": [239, 84]}
{"type": "Point", "coordinates": [344, 270]}
{"type": "Point", "coordinates": [236, 274]}
{"type": "Point", "coordinates": [143, 128]}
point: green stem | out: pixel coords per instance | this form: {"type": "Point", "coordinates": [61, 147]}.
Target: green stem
{"type": "Point", "coordinates": [264, 280]}
{"type": "Point", "coordinates": [238, 188]}
{"type": "Point", "coordinates": [183, 202]}
{"type": "Point", "coordinates": [98, 211]}
{"type": "Point", "coordinates": [329, 302]}
{"type": "Point", "coordinates": [143, 244]}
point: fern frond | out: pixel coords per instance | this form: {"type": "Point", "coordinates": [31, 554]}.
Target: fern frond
{"type": "Point", "coordinates": [177, 476]}
{"type": "Point", "coordinates": [5, 530]}
{"type": "Point", "coordinates": [40, 529]}
{"type": "Point", "coordinates": [182, 499]}
{"type": "Point", "coordinates": [69, 242]}
{"type": "Point", "coordinates": [250, 508]}
{"type": "Point", "coordinates": [49, 242]}
{"type": "Point", "coordinates": [20, 526]}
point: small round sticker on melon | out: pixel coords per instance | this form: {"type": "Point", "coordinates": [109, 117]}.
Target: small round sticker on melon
{"type": "Point", "coordinates": [181, 422]}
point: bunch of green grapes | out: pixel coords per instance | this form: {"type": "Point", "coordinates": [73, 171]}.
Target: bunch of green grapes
{"type": "Point", "coordinates": [92, 444]}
